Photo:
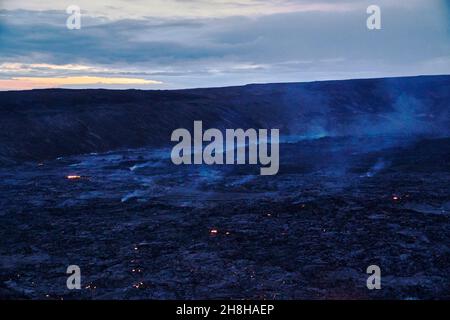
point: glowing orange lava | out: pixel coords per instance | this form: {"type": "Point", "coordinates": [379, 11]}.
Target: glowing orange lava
{"type": "Point", "coordinates": [73, 177]}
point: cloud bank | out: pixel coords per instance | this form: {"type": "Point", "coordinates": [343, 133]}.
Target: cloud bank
{"type": "Point", "coordinates": [198, 43]}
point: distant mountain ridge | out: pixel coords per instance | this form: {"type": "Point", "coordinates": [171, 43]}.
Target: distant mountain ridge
{"type": "Point", "coordinates": [48, 123]}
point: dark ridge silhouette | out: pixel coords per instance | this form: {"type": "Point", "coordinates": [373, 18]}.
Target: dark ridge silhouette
{"type": "Point", "coordinates": [44, 124]}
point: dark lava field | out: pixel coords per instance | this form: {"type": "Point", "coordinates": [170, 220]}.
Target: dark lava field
{"type": "Point", "coordinates": [140, 227]}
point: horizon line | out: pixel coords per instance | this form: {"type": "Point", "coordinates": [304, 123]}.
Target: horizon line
{"type": "Point", "coordinates": [232, 86]}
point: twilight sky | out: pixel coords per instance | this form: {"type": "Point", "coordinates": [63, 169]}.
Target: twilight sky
{"type": "Point", "coordinates": [166, 44]}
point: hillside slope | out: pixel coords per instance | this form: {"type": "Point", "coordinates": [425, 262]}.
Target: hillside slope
{"type": "Point", "coordinates": [44, 124]}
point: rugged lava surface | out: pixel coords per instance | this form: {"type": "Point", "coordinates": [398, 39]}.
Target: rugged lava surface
{"type": "Point", "coordinates": [140, 227]}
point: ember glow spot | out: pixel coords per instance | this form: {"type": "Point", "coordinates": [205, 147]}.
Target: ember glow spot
{"type": "Point", "coordinates": [73, 177]}
{"type": "Point", "coordinates": [138, 285]}
{"type": "Point", "coordinates": [91, 286]}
